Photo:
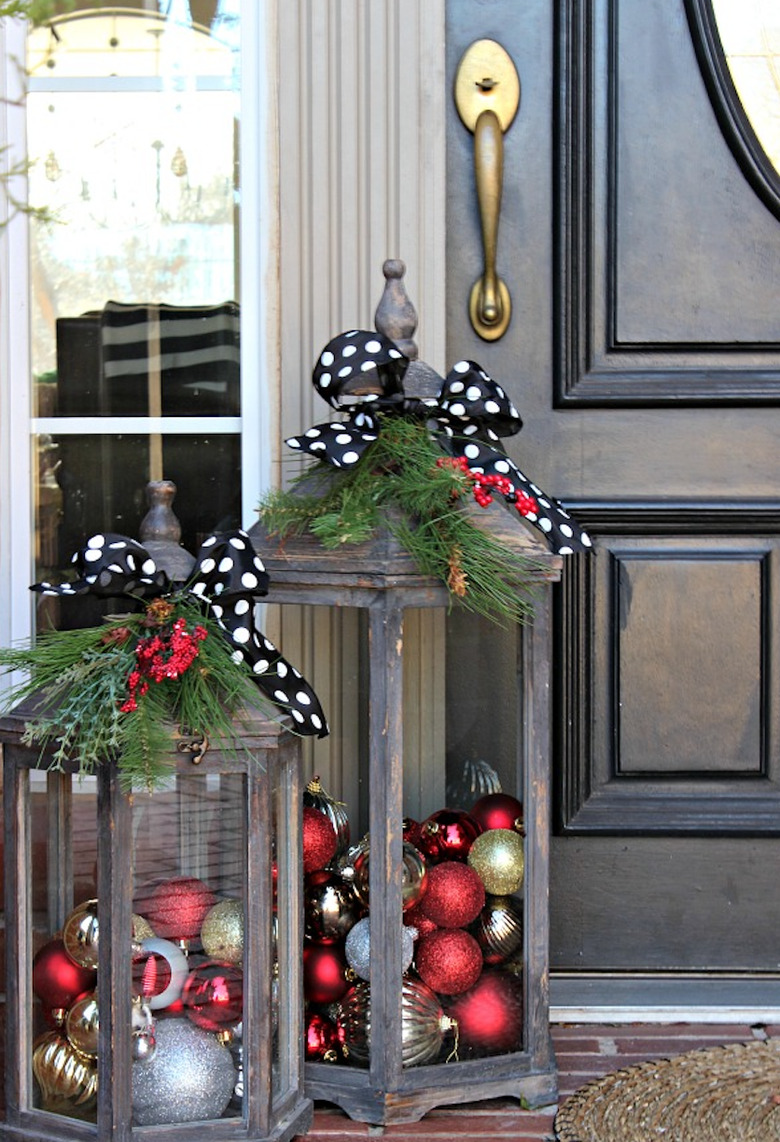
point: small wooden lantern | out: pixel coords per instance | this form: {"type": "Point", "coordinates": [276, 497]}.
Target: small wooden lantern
{"type": "Point", "coordinates": [153, 945]}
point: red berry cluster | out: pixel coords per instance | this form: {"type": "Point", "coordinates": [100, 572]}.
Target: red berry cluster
{"type": "Point", "coordinates": [484, 485]}
{"type": "Point", "coordinates": [160, 657]}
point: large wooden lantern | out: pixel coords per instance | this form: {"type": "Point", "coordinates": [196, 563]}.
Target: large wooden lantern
{"type": "Point", "coordinates": [425, 949]}
{"type": "Point", "coordinates": [152, 944]}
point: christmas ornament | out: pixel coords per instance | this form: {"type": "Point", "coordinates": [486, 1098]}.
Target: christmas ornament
{"type": "Point", "coordinates": [357, 947]}
{"type": "Point", "coordinates": [80, 934]}
{"type": "Point", "coordinates": [448, 835]}
{"type": "Point", "coordinates": [62, 1074]}
{"type": "Point", "coordinates": [82, 1025]}
{"type": "Point", "coordinates": [144, 1040]}
{"type": "Point", "coordinates": [177, 907]}
{"type": "Point", "coordinates": [329, 907]}
{"type": "Point", "coordinates": [315, 797]}
{"type": "Point", "coordinates": [320, 840]}
{"type": "Point", "coordinates": [57, 979]}
{"type": "Point", "coordinates": [222, 932]}
{"type": "Point", "coordinates": [213, 996]}
{"type": "Point", "coordinates": [324, 973]}
{"type": "Point", "coordinates": [499, 928]}
{"type": "Point", "coordinates": [499, 859]}
{"type": "Point", "coordinates": [414, 875]}
{"type": "Point", "coordinates": [344, 862]}
{"type": "Point", "coordinates": [142, 930]}
{"type": "Point", "coordinates": [476, 779]}
{"type": "Point", "coordinates": [449, 960]}
{"type": "Point", "coordinates": [455, 895]}
{"type": "Point", "coordinates": [499, 811]}
{"type": "Point", "coordinates": [190, 1077]}
{"type": "Point", "coordinates": [321, 1039]}
{"type": "Point", "coordinates": [490, 1014]}
{"type": "Point", "coordinates": [423, 1023]}
{"type": "Point", "coordinates": [160, 988]}
{"type": "Point", "coordinates": [412, 831]}
{"type": "Point", "coordinates": [416, 919]}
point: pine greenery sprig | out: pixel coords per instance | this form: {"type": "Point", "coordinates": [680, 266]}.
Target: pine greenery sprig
{"type": "Point", "coordinates": [406, 470]}
{"type": "Point", "coordinates": [87, 709]}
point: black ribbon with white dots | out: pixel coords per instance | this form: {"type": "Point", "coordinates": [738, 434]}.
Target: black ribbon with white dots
{"type": "Point", "coordinates": [229, 577]}
{"type": "Point", "coordinates": [361, 373]}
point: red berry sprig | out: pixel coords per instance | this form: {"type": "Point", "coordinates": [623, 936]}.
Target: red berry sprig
{"type": "Point", "coordinates": [162, 656]}
{"type": "Point", "coordinates": [484, 485]}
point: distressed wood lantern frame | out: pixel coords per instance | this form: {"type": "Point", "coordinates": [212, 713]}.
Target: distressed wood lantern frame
{"type": "Point", "coordinates": [381, 578]}
{"type": "Point", "coordinates": [266, 772]}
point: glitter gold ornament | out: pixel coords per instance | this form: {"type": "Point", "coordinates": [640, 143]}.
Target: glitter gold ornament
{"type": "Point", "coordinates": [82, 1025]}
{"type": "Point", "coordinates": [497, 856]}
{"type": "Point", "coordinates": [80, 934]}
{"type": "Point", "coordinates": [423, 1024]}
{"type": "Point", "coordinates": [222, 932]}
{"type": "Point", "coordinates": [62, 1074]}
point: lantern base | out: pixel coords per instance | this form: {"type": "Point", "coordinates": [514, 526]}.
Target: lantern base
{"type": "Point", "coordinates": [423, 1088]}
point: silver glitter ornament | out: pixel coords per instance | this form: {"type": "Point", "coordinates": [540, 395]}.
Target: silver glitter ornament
{"type": "Point", "coordinates": [190, 1077]}
{"type": "Point", "coordinates": [357, 947]}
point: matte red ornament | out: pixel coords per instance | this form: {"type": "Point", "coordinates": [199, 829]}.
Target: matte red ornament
{"type": "Point", "coordinates": [448, 835]}
{"type": "Point", "coordinates": [58, 980]}
{"type": "Point", "coordinates": [415, 918]}
{"type": "Point", "coordinates": [325, 970]}
{"type": "Point", "coordinates": [321, 1039]}
{"type": "Point", "coordinates": [175, 908]}
{"type": "Point", "coordinates": [320, 839]}
{"type": "Point", "coordinates": [449, 960]}
{"type": "Point", "coordinates": [213, 996]}
{"type": "Point", "coordinates": [490, 1014]}
{"type": "Point", "coordinates": [499, 811]}
{"type": "Point", "coordinates": [455, 896]}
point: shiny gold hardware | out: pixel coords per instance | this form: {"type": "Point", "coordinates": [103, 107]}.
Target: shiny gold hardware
{"type": "Point", "coordinates": [487, 95]}
{"type": "Point", "coordinates": [193, 743]}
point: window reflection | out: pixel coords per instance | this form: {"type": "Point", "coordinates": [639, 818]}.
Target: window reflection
{"type": "Point", "coordinates": [750, 34]}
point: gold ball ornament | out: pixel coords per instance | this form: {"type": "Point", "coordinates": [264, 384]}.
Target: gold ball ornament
{"type": "Point", "coordinates": [82, 1025]}
{"type": "Point", "coordinates": [80, 934]}
{"type": "Point", "coordinates": [222, 932]}
{"type": "Point", "coordinates": [498, 858]}
{"type": "Point", "coordinates": [62, 1074]}
{"type": "Point", "coordinates": [423, 1023]}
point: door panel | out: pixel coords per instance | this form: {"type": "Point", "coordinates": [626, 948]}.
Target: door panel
{"type": "Point", "coordinates": [644, 356]}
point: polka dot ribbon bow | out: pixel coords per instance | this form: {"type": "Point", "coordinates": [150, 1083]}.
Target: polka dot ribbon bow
{"type": "Point", "coordinates": [229, 577]}
{"type": "Point", "coordinates": [361, 373]}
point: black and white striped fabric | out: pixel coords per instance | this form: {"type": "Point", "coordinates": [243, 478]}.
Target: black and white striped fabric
{"type": "Point", "coordinates": [193, 350]}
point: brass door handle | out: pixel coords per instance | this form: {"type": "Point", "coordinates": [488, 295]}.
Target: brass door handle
{"type": "Point", "coordinates": [487, 95]}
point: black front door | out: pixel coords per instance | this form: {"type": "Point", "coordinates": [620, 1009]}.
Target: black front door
{"type": "Point", "coordinates": [639, 238]}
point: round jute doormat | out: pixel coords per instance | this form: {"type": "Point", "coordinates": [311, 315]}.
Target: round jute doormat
{"type": "Point", "coordinates": [720, 1094]}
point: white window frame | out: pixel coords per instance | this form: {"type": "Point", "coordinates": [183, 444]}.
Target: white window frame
{"type": "Point", "coordinates": [259, 316]}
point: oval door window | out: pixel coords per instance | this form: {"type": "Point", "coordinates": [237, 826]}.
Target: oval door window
{"type": "Point", "coordinates": [738, 45]}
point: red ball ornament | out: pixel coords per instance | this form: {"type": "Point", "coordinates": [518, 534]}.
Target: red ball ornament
{"type": "Point", "coordinates": [490, 1014]}
{"type": "Point", "coordinates": [415, 918]}
{"type": "Point", "coordinates": [499, 811]}
{"type": "Point", "coordinates": [455, 896]}
{"type": "Point", "coordinates": [175, 908]}
{"type": "Point", "coordinates": [58, 980]}
{"type": "Point", "coordinates": [321, 1039]}
{"type": "Point", "coordinates": [449, 960]}
{"type": "Point", "coordinates": [213, 996]}
{"type": "Point", "coordinates": [320, 839]}
{"type": "Point", "coordinates": [448, 835]}
{"type": "Point", "coordinates": [324, 973]}
{"type": "Point", "coordinates": [412, 831]}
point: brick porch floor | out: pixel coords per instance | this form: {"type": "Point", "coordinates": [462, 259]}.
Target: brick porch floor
{"type": "Point", "coordinates": [583, 1051]}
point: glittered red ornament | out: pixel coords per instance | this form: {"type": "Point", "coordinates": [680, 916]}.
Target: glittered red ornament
{"type": "Point", "coordinates": [448, 835]}
{"type": "Point", "coordinates": [490, 1014]}
{"type": "Point", "coordinates": [58, 980]}
{"type": "Point", "coordinates": [213, 996]}
{"type": "Point", "coordinates": [455, 895]}
{"type": "Point", "coordinates": [449, 960]}
{"type": "Point", "coordinates": [415, 918]}
{"type": "Point", "coordinates": [175, 908]}
{"type": "Point", "coordinates": [320, 839]}
{"type": "Point", "coordinates": [324, 972]}
{"type": "Point", "coordinates": [321, 1039]}
{"type": "Point", "coordinates": [499, 811]}
{"type": "Point", "coordinates": [411, 831]}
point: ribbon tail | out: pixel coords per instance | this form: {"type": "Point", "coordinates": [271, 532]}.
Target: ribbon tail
{"type": "Point", "coordinates": [111, 566]}
{"type": "Point", "coordinates": [560, 529]}
{"type": "Point", "coordinates": [341, 443]}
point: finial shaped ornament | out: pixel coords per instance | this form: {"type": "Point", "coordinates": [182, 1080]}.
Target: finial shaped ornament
{"type": "Point", "coordinates": [395, 315]}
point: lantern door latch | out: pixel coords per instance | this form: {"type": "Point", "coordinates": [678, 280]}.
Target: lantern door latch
{"type": "Point", "coordinates": [487, 96]}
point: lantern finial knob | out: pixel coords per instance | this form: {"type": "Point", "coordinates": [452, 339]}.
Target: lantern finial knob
{"type": "Point", "coordinates": [395, 315]}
